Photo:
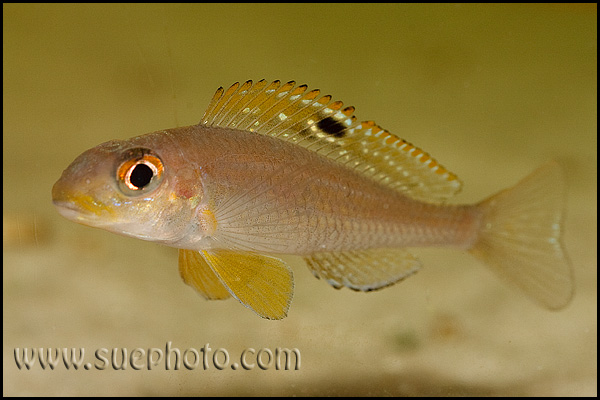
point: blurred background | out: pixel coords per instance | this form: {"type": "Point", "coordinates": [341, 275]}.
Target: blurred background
{"type": "Point", "coordinates": [490, 91]}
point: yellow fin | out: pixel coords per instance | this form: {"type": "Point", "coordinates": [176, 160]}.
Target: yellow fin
{"type": "Point", "coordinates": [363, 270]}
{"type": "Point", "coordinates": [299, 116]}
{"type": "Point", "coordinates": [263, 284]}
{"type": "Point", "coordinates": [198, 274]}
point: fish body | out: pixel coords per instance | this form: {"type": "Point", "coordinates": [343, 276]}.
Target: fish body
{"type": "Point", "coordinates": [273, 170]}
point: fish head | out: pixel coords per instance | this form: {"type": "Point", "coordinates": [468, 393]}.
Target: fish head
{"type": "Point", "coordinates": [127, 187]}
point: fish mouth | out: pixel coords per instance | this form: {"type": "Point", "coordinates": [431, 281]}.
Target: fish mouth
{"type": "Point", "coordinates": [79, 207]}
{"type": "Point", "coordinates": [82, 212]}
{"type": "Point", "coordinates": [72, 212]}
{"type": "Point", "coordinates": [86, 211]}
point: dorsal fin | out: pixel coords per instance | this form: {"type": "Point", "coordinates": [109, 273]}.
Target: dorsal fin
{"type": "Point", "coordinates": [290, 113]}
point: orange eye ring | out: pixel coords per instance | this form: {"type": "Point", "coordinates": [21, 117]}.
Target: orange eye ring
{"type": "Point", "coordinates": [141, 172]}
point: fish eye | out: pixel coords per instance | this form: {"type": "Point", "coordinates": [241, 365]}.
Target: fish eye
{"type": "Point", "coordinates": [140, 171]}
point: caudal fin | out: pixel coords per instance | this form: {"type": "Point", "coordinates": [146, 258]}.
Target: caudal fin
{"type": "Point", "coordinates": [520, 237]}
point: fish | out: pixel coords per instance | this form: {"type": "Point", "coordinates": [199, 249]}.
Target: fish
{"type": "Point", "coordinates": [276, 169]}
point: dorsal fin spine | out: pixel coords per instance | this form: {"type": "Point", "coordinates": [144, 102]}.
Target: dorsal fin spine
{"type": "Point", "coordinates": [292, 111]}
{"type": "Point", "coordinates": [211, 106]}
{"type": "Point", "coordinates": [255, 103]}
{"type": "Point", "coordinates": [319, 105]}
{"type": "Point", "coordinates": [250, 97]}
{"type": "Point", "coordinates": [234, 102]}
{"type": "Point", "coordinates": [279, 94]}
{"type": "Point", "coordinates": [224, 100]}
{"type": "Point", "coordinates": [277, 114]}
{"type": "Point", "coordinates": [286, 99]}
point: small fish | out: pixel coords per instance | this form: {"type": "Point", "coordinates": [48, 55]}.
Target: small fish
{"type": "Point", "coordinates": [275, 169]}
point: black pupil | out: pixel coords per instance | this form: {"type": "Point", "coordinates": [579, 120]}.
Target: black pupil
{"type": "Point", "coordinates": [141, 176]}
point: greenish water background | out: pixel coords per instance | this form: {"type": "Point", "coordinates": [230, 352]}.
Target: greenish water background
{"type": "Point", "coordinates": [491, 91]}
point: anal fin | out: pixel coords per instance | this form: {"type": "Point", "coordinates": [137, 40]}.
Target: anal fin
{"type": "Point", "coordinates": [363, 270]}
{"type": "Point", "coordinates": [262, 283]}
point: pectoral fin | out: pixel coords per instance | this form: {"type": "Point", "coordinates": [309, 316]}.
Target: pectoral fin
{"type": "Point", "coordinates": [199, 275]}
{"type": "Point", "coordinates": [263, 284]}
{"type": "Point", "coordinates": [363, 270]}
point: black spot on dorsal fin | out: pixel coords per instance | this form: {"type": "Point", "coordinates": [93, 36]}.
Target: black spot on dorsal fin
{"type": "Point", "coordinates": [332, 127]}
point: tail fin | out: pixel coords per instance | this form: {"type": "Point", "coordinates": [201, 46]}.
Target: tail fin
{"type": "Point", "coordinates": [520, 237]}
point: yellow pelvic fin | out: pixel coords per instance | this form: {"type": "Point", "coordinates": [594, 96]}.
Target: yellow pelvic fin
{"type": "Point", "coordinates": [291, 113]}
{"type": "Point", "coordinates": [198, 274]}
{"type": "Point", "coordinates": [263, 284]}
{"type": "Point", "coordinates": [363, 270]}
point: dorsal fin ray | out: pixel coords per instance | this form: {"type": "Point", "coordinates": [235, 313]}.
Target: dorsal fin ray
{"type": "Point", "coordinates": [294, 114]}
